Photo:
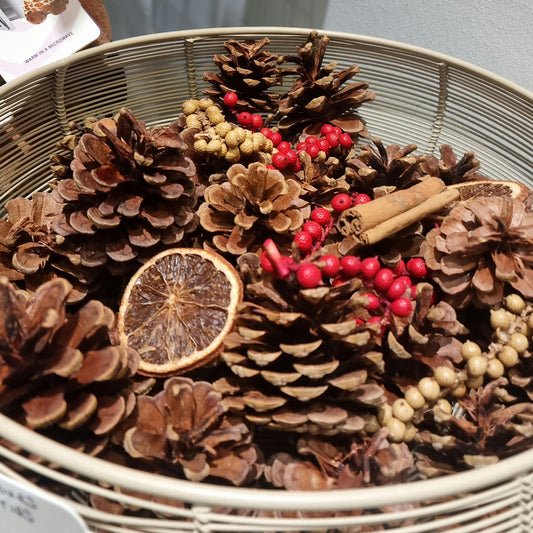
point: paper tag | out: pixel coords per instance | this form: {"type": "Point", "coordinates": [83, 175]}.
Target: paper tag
{"type": "Point", "coordinates": [27, 509]}
{"type": "Point", "coordinates": [25, 46]}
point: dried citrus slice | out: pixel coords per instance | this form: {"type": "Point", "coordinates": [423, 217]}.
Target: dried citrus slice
{"type": "Point", "coordinates": [177, 309]}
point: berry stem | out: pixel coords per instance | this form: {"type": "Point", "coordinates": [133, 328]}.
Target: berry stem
{"type": "Point", "coordinates": [275, 258]}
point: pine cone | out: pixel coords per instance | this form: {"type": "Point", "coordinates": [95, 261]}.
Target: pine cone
{"type": "Point", "coordinates": [132, 193]}
{"type": "Point", "coordinates": [248, 70]}
{"type": "Point", "coordinates": [254, 203]}
{"type": "Point", "coordinates": [300, 361]}
{"type": "Point", "coordinates": [449, 170]}
{"type": "Point", "coordinates": [60, 369]}
{"type": "Point", "coordinates": [186, 424]}
{"type": "Point", "coordinates": [481, 247]}
{"type": "Point", "coordinates": [390, 166]}
{"type": "Point", "coordinates": [319, 94]}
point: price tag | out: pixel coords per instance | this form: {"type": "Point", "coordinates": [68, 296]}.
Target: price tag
{"type": "Point", "coordinates": [27, 509]}
{"type": "Point", "coordinates": [25, 46]}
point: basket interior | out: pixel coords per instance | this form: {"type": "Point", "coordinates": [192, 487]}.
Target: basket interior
{"type": "Point", "coordinates": [423, 98]}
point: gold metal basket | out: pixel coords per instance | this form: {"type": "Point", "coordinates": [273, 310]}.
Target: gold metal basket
{"type": "Point", "coordinates": [424, 98]}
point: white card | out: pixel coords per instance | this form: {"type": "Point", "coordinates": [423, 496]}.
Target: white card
{"type": "Point", "coordinates": [25, 46]}
{"type": "Point", "coordinates": [28, 509]}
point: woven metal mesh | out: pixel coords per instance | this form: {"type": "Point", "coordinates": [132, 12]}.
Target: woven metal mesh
{"type": "Point", "coordinates": [422, 97]}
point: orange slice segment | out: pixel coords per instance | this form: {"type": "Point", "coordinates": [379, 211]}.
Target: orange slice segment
{"type": "Point", "coordinates": [177, 309]}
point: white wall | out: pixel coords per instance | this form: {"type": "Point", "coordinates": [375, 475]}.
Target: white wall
{"type": "Point", "coordinates": [496, 35]}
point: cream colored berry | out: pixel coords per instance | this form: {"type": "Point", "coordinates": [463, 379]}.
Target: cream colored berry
{"type": "Point", "coordinates": [402, 410]}
{"type": "Point", "coordinates": [410, 432]}
{"type": "Point", "coordinates": [396, 429]}
{"type": "Point", "coordinates": [384, 413]}
{"type": "Point", "coordinates": [233, 154]}
{"type": "Point", "coordinates": [476, 366]}
{"type": "Point", "coordinates": [442, 410]}
{"type": "Point", "coordinates": [500, 318]}
{"type": "Point", "coordinates": [429, 388]}
{"type": "Point", "coordinates": [235, 137]}
{"type": "Point", "coordinates": [508, 356]}
{"type": "Point", "coordinates": [459, 390]}
{"type": "Point", "coordinates": [495, 369]}
{"type": "Point", "coordinates": [192, 121]}
{"type": "Point", "coordinates": [204, 103]}
{"type": "Point", "coordinates": [214, 146]}
{"type": "Point", "coordinates": [414, 398]}
{"type": "Point", "coordinates": [519, 342]}
{"type": "Point", "coordinates": [445, 376]}
{"type": "Point", "coordinates": [223, 128]}
{"type": "Point", "coordinates": [469, 349]}
{"type": "Point", "coordinates": [246, 147]}
{"type": "Point", "coordinates": [189, 106]}
{"type": "Point", "coordinates": [475, 382]}
{"type": "Point", "coordinates": [515, 303]}
{"type": "Point", "coordinates": [200, 145]}
{"type": "Point", "coordinates": [371, 424]}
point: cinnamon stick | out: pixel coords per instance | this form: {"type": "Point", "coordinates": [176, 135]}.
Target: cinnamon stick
{"type": "Point", "coordinates": [360, 218]}
{"type": "Point", "coordinates": [401, 221]}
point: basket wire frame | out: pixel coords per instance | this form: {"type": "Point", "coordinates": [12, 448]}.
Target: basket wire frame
{"type": "Point", "coordinates": [422, 97]}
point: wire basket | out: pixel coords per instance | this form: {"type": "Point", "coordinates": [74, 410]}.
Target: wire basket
{"type": "Point", "coordinates": [422, 97]}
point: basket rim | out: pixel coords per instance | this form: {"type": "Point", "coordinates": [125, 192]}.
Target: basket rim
{"type": "Point", "coordinates": [237, 497]}
{"type": "Point", "coordinates": [206, 494]}
{"type": "Point", "coordinates": [262, 30]}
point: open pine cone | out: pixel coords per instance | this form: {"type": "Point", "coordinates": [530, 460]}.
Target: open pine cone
{"type": "Point", "coordinates": [250, 72]}
{"type": "Point", "coordinates": [481, 247]}
{"type": "Point", "coordinates": [254, 203]}
{"type": "Point", "coordinates": [319, 94]}
{"type": "Point", "coordinates": [61, 370]}
{"type": "Point", "coordinates": [131, 194]}
{"type": "Point", "coordinates": [299, 360]}
{"type": "Point", "coordinates": [186, 424]}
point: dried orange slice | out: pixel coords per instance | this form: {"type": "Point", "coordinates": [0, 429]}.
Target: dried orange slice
{"type": "Point", "coordinates": [177, 309]}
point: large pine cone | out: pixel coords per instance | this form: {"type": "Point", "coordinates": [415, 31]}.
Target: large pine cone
{"type": "Point", "coordinates": [254, 203]}
{"type": "Point", "coordinates": [300, 362]}
{"type": "Point", "coordinates": [131, 194]}
{"type": "Point", "coordinates": [319, 94]}
{"type": "Point", "coordinates": [60, 370]}
{"type": "Point", "coordinates": [186, 424]}
{"type": "Point", "coordinates": [481, 247]}
{"type": "Point", "coordinates": [248, 70]}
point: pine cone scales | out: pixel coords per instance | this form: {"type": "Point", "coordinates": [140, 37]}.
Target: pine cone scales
{"type": "Point", "coordinates": [186, 424]}
{"type": "Point", "coordinates": [320, 95]}
{"type": "Point", "coordinates": [255, 203]}
{"type": "Point", "coordinates": [61, 370]}
{"type": "Point", "coordinates": [131, 193]}
{"type": "Point", "coordinates": [480, 247]}
{"type": "Point", "coordinates": [248, 70]}
{"type": "Point", "coordinates": [304, 367]}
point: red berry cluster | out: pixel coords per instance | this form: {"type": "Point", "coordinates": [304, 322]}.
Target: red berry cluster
{"type": "Point", "coordinates": [247, 120]}
{"type": "Point", "coordinates": [331, 137]}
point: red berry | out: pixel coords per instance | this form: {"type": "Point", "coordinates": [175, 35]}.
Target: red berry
{"type": "Point", "coordinates": [312, 150]}
{"type": "Point", "coordinates": [290, 154]}
{"type": "Point", "coordinates": [383, 279]}
{"type": "Point", "coordinates": [275, 137]}
{"type": "Point", "coordinates": [370, 267]}
{"type": "Point", "coordinates": [361, 198]}
{"type": "Point", "coordinates": [308, 276]}
{"type": "Point", "coordinates": [301, 146]}
{"type": "Point", "coordinates": [323, 145]}
{"type": "Point", "coordinates": [311, 139]}
{"type": "Point", "coordinates": [350, 265]}
{"type": "Point", "coordinates": [397, 288]}
{"type": "Point", "coordinates": [333, 140]}
{"type": "Point", "coordinates": [257, 121]}
{"type": "Point", "coordinates": [266, 263]}
{"type": "Point", "coordinates": [345, 140]}
{"type": "Point", "coordinates": [417, 267]}
{"type": "Point", "coordinates": [378, 320]}
{"type": "Point", "coordinates": [230, 99]}
{"type": "Point", "coordinates": [313, 228]}
{"type": "Point", "coordinates": [279, 160]}
{"type": "Point", "coordinates": [407, 280]}
{"type": "Point", "coordinates": [283, 146]}
{"type": "Point", "coordinates": [373, 301]}
{"type": "Point", "coordinates": [303, 241]}
{"type": "Point", "coordinates": [267, 132]}
{"type": "Point", "coordinates": [245, 119]}
{"type": "Point", "coordinates": [331, 265]}
{"type": "Point", "coordinates": [401, 307]}
{"type": "Point", "coordinates": [341, 202]}
{"type": "Point", "coordinates": [337, 131]}
{"type": "Point", "coordinates": [321, 215]}
{"type": "Point", "coordinates": [271, 167]}
{"type": "Point", "coordinates": [326, 128]}
{"type": "Point", "coordinates": [296, 166]}
{"type": "Point", "coordinates": [360, 322]}
{"type": "Point", "coordinates": [400, 269]}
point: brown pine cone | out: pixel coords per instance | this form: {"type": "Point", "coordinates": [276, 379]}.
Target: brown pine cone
{"type": "Point", "coordinates": [320, 95]}
{"type": "Point", "coordinates": [253, 204]}
{"type": "Point", "coordinates": [249, 71]}
{"type": "Point", "coordinates": [59, 369]}
{"type": "Point", "coordinates": [132, 193]}
{"type": "Point", "coordinates": [186, 424]}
